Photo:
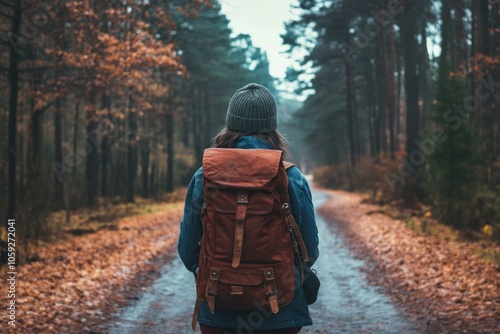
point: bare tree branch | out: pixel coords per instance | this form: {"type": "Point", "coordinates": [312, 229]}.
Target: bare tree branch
{"type": "Point", "coordinates": [38, 112]}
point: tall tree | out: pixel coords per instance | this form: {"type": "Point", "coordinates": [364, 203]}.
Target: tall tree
{"type": "Point", "coordinates": [14, 39]}
{"type": "Point", "coordinates": [411, 10]}
{"type": "Point", "coordinates": [391, 88]}
{"type": "Point", "coordinates": [450, 174]}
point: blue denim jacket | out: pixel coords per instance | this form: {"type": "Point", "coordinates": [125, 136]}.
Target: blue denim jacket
{"type": "Point", "coordinates": [296, 313]}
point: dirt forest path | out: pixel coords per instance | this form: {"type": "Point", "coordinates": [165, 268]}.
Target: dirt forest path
{"type": "Point", "coordinates": [346, 304]}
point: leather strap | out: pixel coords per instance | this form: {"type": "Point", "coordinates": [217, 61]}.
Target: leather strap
{"type": "Point", "coordinates": [301, 264]}
{"type": "Point", "coordinates": [213, 279]}
{"type": "Point", "coordinates": [302, 276]}
{"type": "Point", "coordinates": [298, 241]}
{"type": "Point", "coordinates": [270, 286]}
{"type": "Point", "coordinates": [241, 213]}
{"type": "Point", "coordinates": [296, 232]}
{"type": "Point", "coordinates": [195, 313]}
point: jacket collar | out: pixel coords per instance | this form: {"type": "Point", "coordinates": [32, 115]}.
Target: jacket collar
{"type": "Point", "coordinates": [251, 142]}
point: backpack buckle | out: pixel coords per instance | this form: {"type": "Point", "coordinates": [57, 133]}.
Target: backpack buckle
{"type": "Point", "coordinates": [212, 288]}
{"type": "Point", "coordinates": [242, 197]}
{"type": "Point", "coordinates": [270, 289]}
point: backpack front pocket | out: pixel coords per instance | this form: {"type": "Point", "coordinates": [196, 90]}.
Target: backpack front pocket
{"type": "Point", "coordinates": [246, 288]}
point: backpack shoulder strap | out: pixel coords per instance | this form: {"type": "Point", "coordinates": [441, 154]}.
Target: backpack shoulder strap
{"type": "Point", "coordinates": [297, 236]}
{"type": "Point", "coordinates": [298, 243]}
{"type": "Point", "coordinates": [302, 251]}
{"type": "Point", "coordinates": [288, 164]}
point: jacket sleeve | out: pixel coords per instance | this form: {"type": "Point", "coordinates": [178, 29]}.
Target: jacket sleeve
{"type": "Point", "coordinates": [191, 228]}
{"type": "Point", "coordinates": [302, 209]}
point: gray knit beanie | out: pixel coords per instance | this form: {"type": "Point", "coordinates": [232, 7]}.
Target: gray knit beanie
{"type": "Point", "coordinates": [252, 109]}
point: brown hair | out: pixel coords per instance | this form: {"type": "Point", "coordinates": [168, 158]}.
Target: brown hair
{"type": "Point", "coordinates": [227, 138]}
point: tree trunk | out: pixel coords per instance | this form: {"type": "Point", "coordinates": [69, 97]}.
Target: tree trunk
{"type": "Point", "coordinates": [170, 150]}
{"type": "Point", "coordinates": [462, 38]}
{"type": "Point", "coordinates": [36, 143]}
{"type": "Point", "coordinates": [446, 36]}
{"type": "Point", "coordinates": [187, 105]}
{"type": "Point", "coordinates": [119, 169]}
{"type": "Point", "coordinates": [208, 115]}
{"type": "Point", "coordinates": [409, 32]}
{"type": "Point", "coordinates": [409, 37]}
{"type": "Point", "coordinates": [359, 149]}
{"type": "Point", "coordinates": [350, 116]}
{"type": "Point", "coordinates": [152, 179]}
{"type": "Point", "coordinates": [106, 104]}
{"type": "Point", "coordinates": [145, 167]}
{"type": "Point", "coordinates": [59, 185]}
{"type": "Point", "coordinates": [14, 88]}
{"type": "Point", "coordinates": [60, 202]}
{"type": "Point", "coordinates": [399, 112]}
{"type": "Point", "coordinates": [131, 152]}
{"type": "Point", "coordinates": [93, 138]}
{"type": "Point", "coordinates": [105, 152]}
{"type": "Point", "coordinates": [495, 47]}
{"type": "Point", "coordinates": [185, 130]}
{"type": "Point", "coordinates": [197, 128]}
{"type": "Point", "coordinates": [484, 27]}
{"type": "Point", "coordinates": [489, 116]}
{"type": "Point", "coordinates": [75, 135]}
{"type": "Point", "coordinates": [423, 65]}
{"type": "Point", "coordinates": [92, 164]}
{"type": "Point", "coordinates": [391, 89]}
{"type": "Point", "coordinates": [373, 117]}
{"type": "Point", "coordinates": [145, 157]}
{"type": "Point", "coordinates": [383, 84]}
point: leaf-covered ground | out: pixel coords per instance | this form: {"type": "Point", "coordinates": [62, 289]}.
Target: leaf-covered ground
{"type": "Point", "coordinates": [79, 283]}
{"type": "Point", "coordinates": [443, 284]}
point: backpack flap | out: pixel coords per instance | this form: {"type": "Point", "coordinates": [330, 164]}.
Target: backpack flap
{"type": "Point", "coordinates": [242, 168]}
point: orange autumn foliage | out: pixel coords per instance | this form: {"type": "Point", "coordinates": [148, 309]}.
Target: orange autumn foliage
{"type": "Point", "coordinates": [441, 281]}
{"type": "Point", "coordinates": [77, 284]}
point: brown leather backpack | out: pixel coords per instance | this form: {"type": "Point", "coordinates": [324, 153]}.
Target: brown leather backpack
{"type": "Point", "coordinates": [249, 236]}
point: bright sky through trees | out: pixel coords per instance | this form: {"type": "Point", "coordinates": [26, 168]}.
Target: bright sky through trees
{"type": "Point", "coordinates": [264, 21]}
